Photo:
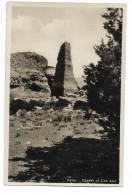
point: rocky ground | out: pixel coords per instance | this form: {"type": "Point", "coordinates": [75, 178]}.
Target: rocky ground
{"type": "Point", "coordinates": [47, 127]}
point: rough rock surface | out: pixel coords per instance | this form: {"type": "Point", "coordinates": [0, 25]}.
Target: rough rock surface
{"type": "Point", "coordinates": [64, 80]}
{"type": "Point", "coordinates": [15, 79]}
{"type": "Point", "coordinates": [50, 70]}
{"type": "Point", "coordinates": [80, 104]}
{"type": "Point", "coordinates": [28, 83]}
{"type": "Point", "coordinates": [30, 60]}
{"type": "Point", "coordinates": [24, 104]}
{"type": "Point", "coordinates": [50, 74]}
{"type": "Point", "coordinates": [31, 90]}
{"type": "Point", "coordinates": [27, 80]}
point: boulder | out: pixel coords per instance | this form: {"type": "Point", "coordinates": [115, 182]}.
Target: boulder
{"type": "Point", "coordinates": [34, 102]}
{"type": "Point", "coordinates": [62, 103]}
{"type": "Point", "coordinates": [28, 83]}
{"type": "Point", "coordinates": [30, 60]}
{"type": "Point", "coordinates": [24, 104]}
{"type": "Point", "coordinates": [35, 80]}
{"type": "Point", "coordinates": [20, 113]}
{"type": "Point", "coordinates": [28, 76]}
{"type": "Point", "coordinates": [19, 104]}
{"type": "Point", "coordinates": [38, 86]}
{"type": "Point", "coordinates": [28, 89]}
{"type": "Point", "coordinates": [56, 103]}
{"type": "Point", "coordinates": [15, 79]}
{"type": "Point", "coordinates": [79, 104]}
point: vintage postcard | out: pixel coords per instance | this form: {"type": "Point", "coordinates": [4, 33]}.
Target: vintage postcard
{"type": "Point", "coordinates": [65, 79]}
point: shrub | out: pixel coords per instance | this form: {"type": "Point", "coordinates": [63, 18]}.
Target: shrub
{"type": "Point", "coordinates": [67, 118]}
{"type": "Point", "coordinates": [57, 118]}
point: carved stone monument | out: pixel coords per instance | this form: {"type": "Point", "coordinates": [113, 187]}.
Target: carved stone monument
{"type": "Point", "coordinates": [64, 81]}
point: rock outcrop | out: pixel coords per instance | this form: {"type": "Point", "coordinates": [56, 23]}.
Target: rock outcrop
{"type": "Point", "coordinates": [30, 60]}
{"type": "Point", "coordinates": [64, 80]}
{"type": "Point", "coordinates": [24, 104]}
{"type": "Point", "coordinates": [28, 81]}
{"type": "Point", "coordinates": [15, 79]}
{"type": "Point", "coordinates": [50, 74]}
{"type": "Point", "coordinates": [80, 104]}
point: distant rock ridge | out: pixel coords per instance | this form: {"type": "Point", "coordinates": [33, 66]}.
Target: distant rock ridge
{"type": "Point", "coordinates": [64, 80]}
{"type": "Point", "coordinates": [80, 82]}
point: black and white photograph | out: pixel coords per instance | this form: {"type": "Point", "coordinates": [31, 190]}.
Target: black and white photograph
{"type": "Point", "coordinates": [65, 94]}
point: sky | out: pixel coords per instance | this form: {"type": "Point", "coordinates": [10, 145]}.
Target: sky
{"type": "Point", "coordinates": [44, 29]}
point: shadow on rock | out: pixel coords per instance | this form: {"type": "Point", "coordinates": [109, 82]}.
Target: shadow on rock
{"type": "Point", "coordinates": [79, 159]}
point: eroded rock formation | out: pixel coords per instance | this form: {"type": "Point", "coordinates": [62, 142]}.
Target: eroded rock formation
{"type": "Point", "coordinates": [28, 83]}
{"type": "Point", "coordinates": [64, 80]}
{"type": "Point", "coordinates": [30, 60]}
{"type": "Point", "coordinates": [50, 74]}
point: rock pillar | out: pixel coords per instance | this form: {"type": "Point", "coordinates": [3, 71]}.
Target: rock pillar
{"type": "Point", "coordinates": [64, 81]}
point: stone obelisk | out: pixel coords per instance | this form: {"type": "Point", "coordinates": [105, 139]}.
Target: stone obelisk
{"type": "Point", "coordinates": [64, 81]}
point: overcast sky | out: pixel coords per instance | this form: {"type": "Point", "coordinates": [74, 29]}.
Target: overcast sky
{"type": "Point", "coordinates": [43, 30]}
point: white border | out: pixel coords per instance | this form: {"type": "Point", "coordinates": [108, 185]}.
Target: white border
{"type": "Point", "coordinates": [8, 49]}
{"type": "Point", "coordinates": [127, 189]}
